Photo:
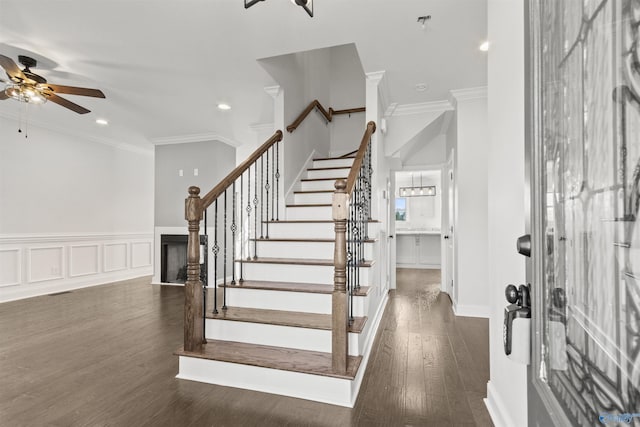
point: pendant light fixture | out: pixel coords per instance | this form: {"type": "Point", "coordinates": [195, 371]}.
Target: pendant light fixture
{"type": "Point", "coordinates": [307, 5]}
{"type": "Point", "coordinates": [422, 190]}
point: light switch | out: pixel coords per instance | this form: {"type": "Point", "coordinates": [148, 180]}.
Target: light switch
{"type": "Point", "coordinates": [195, 172]}
{"type": "Point", "coordinates": [180, 172]}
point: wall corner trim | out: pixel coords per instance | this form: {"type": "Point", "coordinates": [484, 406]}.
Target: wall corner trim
{"type": "Point", "coordinates": [467, 310]}
{"type": "Point", "coordinates": [497, 408]}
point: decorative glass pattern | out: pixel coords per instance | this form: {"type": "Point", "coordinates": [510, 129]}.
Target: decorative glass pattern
{"type": "Point", "coordinates": [589, 62]}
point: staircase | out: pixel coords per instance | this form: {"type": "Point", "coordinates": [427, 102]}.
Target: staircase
{"type": "Point", "coordinates": [275, 331]}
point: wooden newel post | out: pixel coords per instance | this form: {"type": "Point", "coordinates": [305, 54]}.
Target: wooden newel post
{"type": "Point", "coordinates": [340, 322]}
{"type": "Point", "coordinates": [193, 328]}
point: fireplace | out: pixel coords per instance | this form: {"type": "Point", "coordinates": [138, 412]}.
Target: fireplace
{"type": "Point", "coordinates": [173, 258]}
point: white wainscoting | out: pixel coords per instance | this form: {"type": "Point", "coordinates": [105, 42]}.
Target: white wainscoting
{"type": "Point", "coordinates": [32, 265]}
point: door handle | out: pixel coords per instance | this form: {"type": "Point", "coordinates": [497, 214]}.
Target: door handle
{"type": "Point", "coordinates": [446, 236]}
{"type": "Point", "coordinates": [391, 237]}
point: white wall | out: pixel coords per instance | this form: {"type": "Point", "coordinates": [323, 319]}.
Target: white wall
{"type": "Point", "coordinates": [73, 212]}
{"type": "Point", "coordinates": [347, 91]}
{"type": "Point", "coordinates": [433, 152]}
{"type": "Point", "coordinates": [507, 389]}
{"type": "Point", "coordinates": [470, 230]}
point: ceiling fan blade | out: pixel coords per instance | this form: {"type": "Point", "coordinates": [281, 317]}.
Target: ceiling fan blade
{"type": "Point", "coordinates": [66, 103]}
{"type": "Point", "coordinates": [12, 68]}
{"type": "Point", "coordinates": [72, 90]}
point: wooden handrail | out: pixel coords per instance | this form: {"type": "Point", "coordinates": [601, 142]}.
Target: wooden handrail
{"type": "Point", "coordinates": [212, 195]}
{"type": "Point", "coordinates": [327, 114]}
{"type": "Point", "coordinates": [357, 162]}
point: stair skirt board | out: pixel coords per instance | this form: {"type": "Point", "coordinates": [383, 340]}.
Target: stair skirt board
{"type": "Point", "coordinates": [279, 336]}
{"type": "Point", "coordinates": [303, 250]}
{"type": "Point", "coordinates": [289, 301]}
{"type": "Point", "coordinates": [334, 391]}
{"type": "Point", "coordinates": [296, 273]}
{"type": "Point", "coordinates": [331, 390]}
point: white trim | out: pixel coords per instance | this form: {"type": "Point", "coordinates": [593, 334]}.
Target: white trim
{"type": "Point", "coordinates": [273, 91]}
{"type": "Point", "coordinates": [418, 266]}
{"type": "Point", "coordinates": [496, 408]}
{"type": "Point", "coordinates": [197, 137]}
{"type": "Point", "coordinates": [68, 131]}
{"type": "Point", "coordinates": [126, 257]}
{"type": "Point", "coordinates": [70, 258]}
{"type": "Point", "coordinates": [59, 275]}
{"type": "Point", "coordinates": [149, 262]}
{"type": "Point", "coordinates": [62, 238]}
{"type": "Point", "coordinates": [288, 195]}
{"type": "Point", "coordinates": [377, 78]}
{"type": "Point", "coordinates": [468, 94]}
{"type": "Point", "coordinates": [262, 127]}
{"type": "Point", "coordinates": [422, 107]}
{"type": "Point", "coordinates": [18, 266]}
{"type": "Point", "coordinates": [472, 310]}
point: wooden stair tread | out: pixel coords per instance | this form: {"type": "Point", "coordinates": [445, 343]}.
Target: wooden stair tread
{"type": "Point", "coordinates": [312, 288]}
{"type": "Point", "coordinates": [294, 221]}
{"type": "Point", "coordinates": [313, 191]}
{"type": "Point", "coordinates": [330, 168]}
{"type": "Point", "coordinates": [311, 205]}
{"type": "Point", "coordinates": [309, 240]}
{"type": "Point", "coordinates": [284, 359]}
{"type": "Point", "coordinates": [334, 158]}
{"type": "Point", "coordinates": [298, 261]}
{"type": "Point", "coordinates": [295, 319]}
{"type": "Point", "coordinates": [323, 179]}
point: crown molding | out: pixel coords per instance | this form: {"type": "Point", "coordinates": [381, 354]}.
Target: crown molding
{"type": "Point", "coordinates": [422, 107]}
{"type": "Point", "coordinates": [262, 127]}
{"type": "Point", "coordinates": [377, 78]}
{"type": "Point", "coordinates": [390, 109]}
{"type": "Point", "coordinates": [197, 137]}
{"type": "Point", "coordinates": [468, 94]}
{"type": "Point", "coordinates": [81, 135]}
{"type": "Point", "coordinates": [273, 91]}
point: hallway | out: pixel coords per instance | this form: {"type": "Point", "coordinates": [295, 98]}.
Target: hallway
{"type": "Point", "coordinates": [102, 356]}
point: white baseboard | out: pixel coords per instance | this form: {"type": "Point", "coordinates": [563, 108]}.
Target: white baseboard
{"type": "Point", "coordinates": [497, 409]}
{"type": "Point", "coordinates": [467, 310]}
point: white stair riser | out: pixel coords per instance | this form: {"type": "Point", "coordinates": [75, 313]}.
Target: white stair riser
{"type": "Point", "coordinates": [320, 230]}
{"type": "Point", "coordinates": [328, 173]}
{"type": "Point", "coordinates": [325, 184]}
{"type": "Point", "coordinates": [276, 335]}
{"type": "Point", "coordinates": [309, 212]}
{"type": "Point", "coordinates": [332, 163]}
{"type": "Point", "coordinates": [303, 250]}
{"type": "Point", "coordinates": [290, 301]}
{"type": "Point", "coordinates": [312, 198]}
{"type": "Point", "coordinates": [296, 273]}
{"type": "Point", "coordinates": [335, 391]}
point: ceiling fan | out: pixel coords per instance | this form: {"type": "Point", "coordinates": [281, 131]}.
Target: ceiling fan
{"type": "Point", "coordinates": [26, 86]}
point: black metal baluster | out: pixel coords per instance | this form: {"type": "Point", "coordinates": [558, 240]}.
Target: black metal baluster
{"type": "Point", "coordinates": [233, 234]}
{"type": "Point", "coordinates": [249, 213]}
{"type": "Point", "coordinates": [215, 249]}
{"type": "Point", "coordinates": [266, 201]}
{"type": "Point", "coordinates": [261, 196]}
{"type": "Point", "coordinates": [224, 250]}
{"type": "Point", "coordinates": [241, 221]}
{"type": "Point", "coordinates": [255, 213]}
{"type": "Point", "coordinates": [278, 181]}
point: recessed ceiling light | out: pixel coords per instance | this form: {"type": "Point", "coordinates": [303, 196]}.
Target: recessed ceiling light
{"type": "Point", "coordinates": [102, 122]}
{"type": "Point", "coordinates": [421, 87]}
{"type": "Point", "coordinates": [224, 107]}
{"type": "Point", "coordinates": [484, 46]}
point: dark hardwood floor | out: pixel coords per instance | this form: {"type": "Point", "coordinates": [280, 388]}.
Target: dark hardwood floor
{"type": "Point", "coordinates": [102, 356]}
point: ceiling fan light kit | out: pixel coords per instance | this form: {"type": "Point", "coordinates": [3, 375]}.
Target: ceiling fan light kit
{"type": "Point", "coordinates": [28, 87]}
{"type": "Point", "coordinates": [307, 5]}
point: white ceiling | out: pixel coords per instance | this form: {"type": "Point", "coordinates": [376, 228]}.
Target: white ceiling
{"type": "Point", "coordinates": [164, 65]}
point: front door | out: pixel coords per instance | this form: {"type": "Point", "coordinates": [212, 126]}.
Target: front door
{"type": "Point", "coordinates": [584, 71]}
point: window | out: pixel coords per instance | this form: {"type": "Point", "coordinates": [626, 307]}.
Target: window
{"type": "Point", "coordinates": [401, 209]}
